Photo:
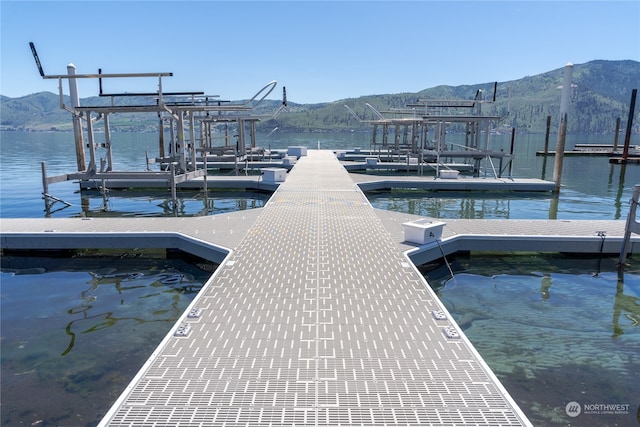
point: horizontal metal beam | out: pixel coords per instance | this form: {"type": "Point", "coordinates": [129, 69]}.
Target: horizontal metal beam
{"type": "Point", "coordinates": [153, 94]}
{"type": "Point", "coordinates": [105, 76]}
{"type": "Point", "coordinates": [159, 108]}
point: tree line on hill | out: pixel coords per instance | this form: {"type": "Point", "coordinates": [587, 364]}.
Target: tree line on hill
{"type": "Point", "coordinates": [601, 94]}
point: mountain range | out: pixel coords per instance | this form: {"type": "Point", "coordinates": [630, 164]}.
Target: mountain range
{"type": "Point", "coordinates": [601, 93]}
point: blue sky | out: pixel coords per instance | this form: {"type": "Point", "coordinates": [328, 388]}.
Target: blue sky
{"type": "Point", "coordinates": [321, 51]}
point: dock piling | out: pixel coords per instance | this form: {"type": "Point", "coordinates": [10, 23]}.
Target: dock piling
{"type": "Point", "coordinates": [45, 183]}
{"type": "Point", "coordinates": [77, 124]}
{"type": "Point", "coordinates": [546, 136]}
{"type": "Point", "coordinates": [627, 137]}
{"type": "Point", "coordinates": [562, 131]}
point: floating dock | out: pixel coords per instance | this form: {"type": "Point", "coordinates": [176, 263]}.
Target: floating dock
{"type": "Point", "coordinates": [315, 318]}
{"type": "Point", "coordinates": [316, 315]}
{"type": "Point", "coordinates": [603, 150]}
{"type": "Point", "coordinates": [371, 183]}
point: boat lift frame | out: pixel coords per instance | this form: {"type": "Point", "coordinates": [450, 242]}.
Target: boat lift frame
{"type": "Point", "coordinates": [410, 133]}
{"type": "Point", "coordinates": [180, 109]}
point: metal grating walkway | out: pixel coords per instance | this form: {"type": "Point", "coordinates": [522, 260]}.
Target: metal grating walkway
{"type": "Point", "coordinates": [316, 319]}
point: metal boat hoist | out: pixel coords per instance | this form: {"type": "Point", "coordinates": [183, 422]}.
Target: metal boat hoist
{"type": "Point", "coordinates": [420, 129]}
{"type": "Point", "coordinates": [186, 115]}
{"type": "Point", "coordinates": [631, 226]}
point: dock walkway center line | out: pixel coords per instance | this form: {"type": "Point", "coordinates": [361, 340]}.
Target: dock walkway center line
{"type": "Point", "coordinates": [316, 319]}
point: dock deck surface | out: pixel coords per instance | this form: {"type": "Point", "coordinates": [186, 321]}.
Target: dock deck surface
{"type": "Point", "coordinates": [316, 319]}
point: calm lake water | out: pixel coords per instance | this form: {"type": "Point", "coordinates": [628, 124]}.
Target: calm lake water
{"type": "Point", "coordinates": [570, 330]}
{"type": "Point", "coordinates": [593, 189]}
{"type": "Point", "coordinates": [566, 335]}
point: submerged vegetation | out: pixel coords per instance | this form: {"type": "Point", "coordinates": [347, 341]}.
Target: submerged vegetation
{"type": "Point", "coordinates": [69, 352]}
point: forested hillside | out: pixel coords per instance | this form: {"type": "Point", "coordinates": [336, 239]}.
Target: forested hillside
{"type": "Point", "coordinates": [602, 92]}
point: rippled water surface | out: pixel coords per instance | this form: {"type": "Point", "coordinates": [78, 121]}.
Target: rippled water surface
{"type": "Point", "coordinates": [76, 330]}
{"type": "Point", "coordinates": [554, 329]}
